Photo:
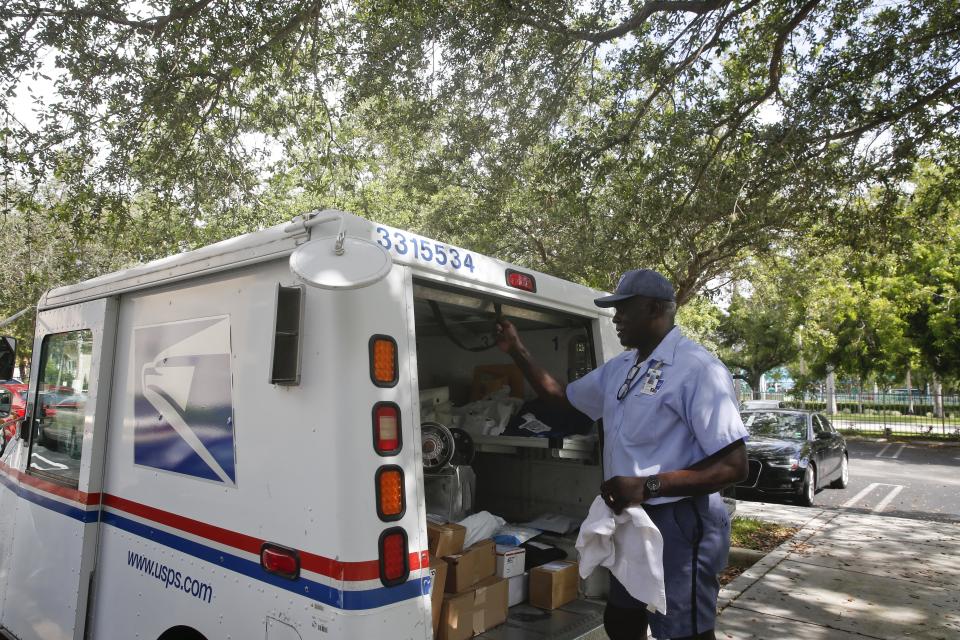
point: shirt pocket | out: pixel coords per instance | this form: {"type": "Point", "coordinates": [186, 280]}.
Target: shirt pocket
{"type": "Point", "coordinates": [646, 420]}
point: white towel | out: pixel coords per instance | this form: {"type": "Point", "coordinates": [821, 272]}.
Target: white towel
{"type": "Point", "coordinates": [630, 545]}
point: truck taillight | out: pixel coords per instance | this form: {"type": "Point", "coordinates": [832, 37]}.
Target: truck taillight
{"type": "Point", "coordinates": [394, 560]}
{"type": "Point", "coordinates": [386, 428]}
{"type": "Point", "coordinates": [279, 560]}
{"type": "Point", "coordinates": [522, 281]}
{"type": "Point", "coordinates": [391, 503]}
{"type": "Point", "coordinates": [383, 361]}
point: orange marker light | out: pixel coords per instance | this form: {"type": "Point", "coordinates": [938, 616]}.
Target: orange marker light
{"type": "Point", "coordinates": [390, 499]}
{"type": "Point", "coordinates": [383, 361]}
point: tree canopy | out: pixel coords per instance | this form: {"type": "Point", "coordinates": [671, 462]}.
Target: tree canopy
{"type": "Point", "coordinates": [581, 139]}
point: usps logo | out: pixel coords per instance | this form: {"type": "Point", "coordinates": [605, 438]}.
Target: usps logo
{"type": "Point", "coordinates": [183, 404]}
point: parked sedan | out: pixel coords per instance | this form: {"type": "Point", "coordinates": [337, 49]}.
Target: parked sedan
{"type": "Point", "coordinates": [61, 427]}
{"type": "Point", "coordinates": [793, 454]}
{"type": "Point", "coordinates": [14, 395]}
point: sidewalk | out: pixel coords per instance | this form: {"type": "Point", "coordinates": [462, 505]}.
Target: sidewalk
{"type": "Point", "coordinates": [847, 576]}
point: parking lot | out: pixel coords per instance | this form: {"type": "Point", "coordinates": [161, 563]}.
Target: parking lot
{"type": "Point", "coordinates": [905, 479]}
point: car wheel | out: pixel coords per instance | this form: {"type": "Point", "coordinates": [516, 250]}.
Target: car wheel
{"type": "Point", "coordinates": [809, 487]}
{"type": "Point", "coordinates": [844, 479]}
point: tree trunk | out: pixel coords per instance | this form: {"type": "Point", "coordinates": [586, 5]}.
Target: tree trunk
{"type": "Point", "coordinates": [909, 392]}
{"type": "Point", "coordinates": [860, 396]}
{"type": "Point", "coordinates": [937, 397]}
{"type": "Point", "coordinates": [831, 393]}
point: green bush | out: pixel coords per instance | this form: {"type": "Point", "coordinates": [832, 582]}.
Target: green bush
{"type": "Point", "coordinates": [893, 409]}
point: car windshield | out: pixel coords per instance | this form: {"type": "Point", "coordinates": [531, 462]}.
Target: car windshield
{"type": "Point", "coordinates": [772, 424]}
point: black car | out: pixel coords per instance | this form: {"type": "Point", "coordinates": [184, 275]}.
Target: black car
{"type": "Point", "coordinates": [793, 454]}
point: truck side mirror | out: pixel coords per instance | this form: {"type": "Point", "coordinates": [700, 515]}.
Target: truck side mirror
{"type": "Point", "coordinates": [8, 356]}
{"type": "Point", "coordinates": [6, 403]}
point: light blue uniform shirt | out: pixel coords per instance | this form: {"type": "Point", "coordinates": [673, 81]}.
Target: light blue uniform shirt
{"type": "Point", "coordinates": [668, 420]}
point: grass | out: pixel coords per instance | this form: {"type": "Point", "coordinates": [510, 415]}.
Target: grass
{"type": "Point", "coordinates": [758, 535]}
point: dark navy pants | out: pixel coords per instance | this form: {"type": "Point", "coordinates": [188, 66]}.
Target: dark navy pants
{"type": "Point", "coordinates": [696, 541]}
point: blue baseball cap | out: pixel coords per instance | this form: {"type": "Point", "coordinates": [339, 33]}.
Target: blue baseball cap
{"type": "Point", "coordinates": [639, 282]}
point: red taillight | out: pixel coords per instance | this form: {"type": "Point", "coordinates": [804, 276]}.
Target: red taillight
{"type": "Point", "coordinates": [394, 561]}
{"type": "Point", "coordinates": [522, 281]}
{"type": "Point", "coordinates": [386, 428]}
{"type": "Point", "coordinates": [280, 561]}
{"type": "Point", "coordinates": [383, 361]}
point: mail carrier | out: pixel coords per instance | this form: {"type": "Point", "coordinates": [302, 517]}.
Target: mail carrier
{"type": "Point", "coordinates": [249, 440]}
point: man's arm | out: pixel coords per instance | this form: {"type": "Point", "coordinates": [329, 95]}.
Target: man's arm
{"type": "Point", "coordinates": [546, 386]}
{"type": "Point", "coordinates": [724, 468]}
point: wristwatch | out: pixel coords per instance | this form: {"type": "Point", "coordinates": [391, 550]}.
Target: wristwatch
{"type": "Point", "coordinates": [653, 487]}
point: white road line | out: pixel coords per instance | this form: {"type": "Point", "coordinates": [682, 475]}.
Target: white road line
{"type": "Point", "coordinates": [894, 456]}
{"type": "Point", "coordinates": [890, 496]}
{"type": "Point", "coordinates": [855, 499]}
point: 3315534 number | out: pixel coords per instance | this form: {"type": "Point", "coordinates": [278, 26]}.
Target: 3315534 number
{"type": "Point", "coordinates": [424, 250]}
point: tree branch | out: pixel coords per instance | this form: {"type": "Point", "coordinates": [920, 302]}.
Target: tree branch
{"type": "Point", "coordinates": [153, 23]}
{"type": "Point", "coordinates": [884, 117]}
{"type": "Point", "coordinates": [667, 79]}
{"type": "Point", "coordinates": [773, 86]}
{"type": "Point", "coordinates": [643, 14]}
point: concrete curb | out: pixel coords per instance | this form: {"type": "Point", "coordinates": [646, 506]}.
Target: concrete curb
{"type": "Point", "coordinates": [732, 591]}
{"type": "Point", "coordinates": [744, 558]}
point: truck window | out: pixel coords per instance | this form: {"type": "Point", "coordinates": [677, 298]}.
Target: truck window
{"type": "Point", "coordinates": [60, 409]}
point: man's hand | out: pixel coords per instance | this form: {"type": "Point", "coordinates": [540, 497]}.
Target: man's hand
{"type": "Point", "coordinates": [619, 492]}
{"type": "Point", "coordinates": [724, 468]}
{"type": "Point", "coordinates": [508, 340]}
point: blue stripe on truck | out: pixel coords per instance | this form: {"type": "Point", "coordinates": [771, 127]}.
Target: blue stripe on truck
{"type": "Point", "coordinates": [346, 600]}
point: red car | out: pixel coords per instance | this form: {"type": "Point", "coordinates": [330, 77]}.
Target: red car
{"type": "Point", "coordinates": [18, 407]}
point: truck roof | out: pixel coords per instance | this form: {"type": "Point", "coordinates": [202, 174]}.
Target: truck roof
{"type": "Point", "coordinates": [476, 270]}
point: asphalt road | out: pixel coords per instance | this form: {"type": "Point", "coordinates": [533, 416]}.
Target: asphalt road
{"type": "Point", "coordinates": [910, 480]}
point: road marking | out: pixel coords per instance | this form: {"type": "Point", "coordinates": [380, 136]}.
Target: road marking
{"type": "Point", "coordinates": [890, 496]}
{"type": "Point", "coordinates": [894, 456]}
{"type": "Point", "coordinates": [855, 499]}
{"type": "Point", "coordinates": [897, 488]}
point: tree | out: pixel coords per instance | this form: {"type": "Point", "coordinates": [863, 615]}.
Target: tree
{"type": "Point", "coordinates": [576, 138]}
{"type": "Point", "coordinates": [759, 331]}
{"type": "Point", "coordinates": [930, 276]}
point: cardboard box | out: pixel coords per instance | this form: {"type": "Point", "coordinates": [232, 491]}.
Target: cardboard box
{"type": "Point", "coordinates": [488, 378]}
{"type": "Point", "coordinates": [554, 584]}
{"type": "Point", "coordinates": [510, 560]}
{"type": "Point", "coordinates": [438, 581]}
{"type": "Point", "coordinates": [518, 589]}
{"type": "Point", "coordinates": [473, 612]}
{"type": "Point", "coordinates": [445, 539]}
{"type": "Point", "coordinates": [471, 566]}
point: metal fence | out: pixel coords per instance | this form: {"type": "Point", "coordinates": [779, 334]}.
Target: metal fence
{"type": "Point", "coordinates": [883, 414]}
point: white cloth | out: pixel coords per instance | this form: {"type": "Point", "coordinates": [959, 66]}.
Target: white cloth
{"type": "Point", "coordinates": [630, 545]}
{"type": "Point", "coordinates": [480, 526]}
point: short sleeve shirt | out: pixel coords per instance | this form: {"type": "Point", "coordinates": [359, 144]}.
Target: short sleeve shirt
{"type": "Point", "coordinates": [681, 408]}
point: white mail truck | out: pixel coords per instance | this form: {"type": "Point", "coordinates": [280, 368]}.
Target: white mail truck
{"type": "Point", "coordinates": [227, 443]}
